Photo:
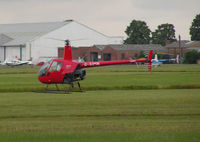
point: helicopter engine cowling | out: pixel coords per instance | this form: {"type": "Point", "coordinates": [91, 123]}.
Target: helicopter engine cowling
{"type": "Point", "coordinates": [77, 75]}
{"type": "Point", "coordinates": [80, 73]}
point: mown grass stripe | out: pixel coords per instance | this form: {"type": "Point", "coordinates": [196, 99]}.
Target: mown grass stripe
{"type": "Point", "coordinates": [100, 115]}
{"type": "Point", "coordinates": [93, 88]}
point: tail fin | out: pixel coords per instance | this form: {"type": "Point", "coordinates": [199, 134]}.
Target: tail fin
{"type": "Point", "coordinates": [150, 60]}
{"type": "Point", "coordinates": [156, 57]}
{"type": "Point", "coordinates": [177, 59]}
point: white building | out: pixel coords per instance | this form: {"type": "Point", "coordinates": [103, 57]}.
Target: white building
{"type": "Point", "coordinates": [37, 41]}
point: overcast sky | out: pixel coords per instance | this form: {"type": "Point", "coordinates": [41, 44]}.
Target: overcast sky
{"type": "Point", "coordinates": [110, 17]}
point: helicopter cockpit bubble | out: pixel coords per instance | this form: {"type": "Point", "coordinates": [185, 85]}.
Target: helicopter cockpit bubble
{"type": "Point", "coordinates": [55, 66]}
{"type": "Point", "coordinates": [44, 68]}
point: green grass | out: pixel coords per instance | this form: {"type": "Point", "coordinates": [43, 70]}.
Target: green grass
{"type": "Point", "coordinates": [22, 79]}
{"type": "Point", "coordinates": [162, 68]}
{"type": "Point", "coordinates": [116, 68]}
{"type": "Point", "coordinates": [141, 78]}
{"type": "Point", "coordinates": [107, 137]}
{"type": "Point", "coordinates": [153, 115]}
{"type": "Point", "coordinates": [126, 104]}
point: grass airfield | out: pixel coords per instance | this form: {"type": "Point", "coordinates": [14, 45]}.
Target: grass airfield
{"type": "Point", "coordinates": [123, 103]}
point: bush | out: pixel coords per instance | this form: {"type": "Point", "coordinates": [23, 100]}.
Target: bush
{"type": "Point", "coordinates": [191, 57]}
{"type": "Point", "coordinates": [142, 55]}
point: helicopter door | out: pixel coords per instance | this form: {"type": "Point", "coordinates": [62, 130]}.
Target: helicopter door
{"type": "Point", "coordinates": [54, 74]}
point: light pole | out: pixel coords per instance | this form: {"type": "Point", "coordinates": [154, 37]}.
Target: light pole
{"type": "Point", "coordinates": [179, 44]}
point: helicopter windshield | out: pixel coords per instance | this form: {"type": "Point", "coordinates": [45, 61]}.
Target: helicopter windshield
{"type": "Point", "coordinates": [44, 68]}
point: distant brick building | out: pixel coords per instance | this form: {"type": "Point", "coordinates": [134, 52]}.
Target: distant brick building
{"type": "Point", "coordinates": [175, 49]}
{"type": "Point", "coordinates": [112, 52]}
{"type": "Point", "coordinates": [194, 45]}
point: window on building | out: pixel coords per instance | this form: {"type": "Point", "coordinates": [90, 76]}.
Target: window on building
{"type": "Point", "coordinates": [93, 56]}
{"type": "Point", "coordinates": [107, 56]}
{"type": "Point", "coordinates": [135, 55]}
{"type": "Point", "coordinates": [60, 52]}
{"type": "Point", "coordinates": [122, 56]}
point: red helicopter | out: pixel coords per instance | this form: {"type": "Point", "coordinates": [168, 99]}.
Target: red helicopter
{"type": "Point", "coordinates": [68, 71]}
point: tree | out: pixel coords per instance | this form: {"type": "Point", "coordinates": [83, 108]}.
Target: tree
{"type": "Point", "coordinates": [163, 33]}
{"type": "Point", "coordinates": [195, 29]}
{"type": "Point", "coordinates": [142, 55]}
{"type": "Point", "coordinates": [138, 33]}
{"type": "Point", "coordinates": [191, 57]}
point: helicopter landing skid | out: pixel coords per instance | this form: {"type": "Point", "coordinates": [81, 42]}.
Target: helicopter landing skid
{"type": "Point", "coordinates": [58, 91]}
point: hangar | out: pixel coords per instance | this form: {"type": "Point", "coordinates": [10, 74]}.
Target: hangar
{"type": "Point", "coordinates": [38, 41]}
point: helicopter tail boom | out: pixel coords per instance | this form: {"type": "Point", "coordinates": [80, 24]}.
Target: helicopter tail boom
{"type": "Point", "coordinates": [106, 63]}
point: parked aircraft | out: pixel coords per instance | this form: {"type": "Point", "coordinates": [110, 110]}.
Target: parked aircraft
{"type": "Point", "coordinates": [158, 62]}
{"type": "Point", "coordinates": [68, 71]}
{"type": "Point", "coordinates": [15, 62]}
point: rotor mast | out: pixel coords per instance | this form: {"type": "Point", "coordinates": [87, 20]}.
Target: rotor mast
{"type": "Point", "coordinates": [67, 51]}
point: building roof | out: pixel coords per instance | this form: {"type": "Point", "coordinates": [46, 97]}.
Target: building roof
{"type": "Point", "coordinates": [4, 39]}
{"type": "Point", "coordinates": [24, 32]}
{"type": "Point", "coordinates": [175, 44]}
{"type": "Point", "coordinates": [192, 43]}
{"type": "Point", "coordinates": [136, 47]}
{"type": "Point", "coordinates": [101, 47]}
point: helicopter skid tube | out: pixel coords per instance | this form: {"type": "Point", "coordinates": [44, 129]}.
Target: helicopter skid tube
{"type": "Point", "coordinates": [58, 91]}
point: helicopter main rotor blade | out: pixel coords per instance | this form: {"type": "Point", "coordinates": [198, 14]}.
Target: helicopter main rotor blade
{"type": "Point", "coordinates": [56, 39]}
{"type": "Point", "coordinates": [68, 39]}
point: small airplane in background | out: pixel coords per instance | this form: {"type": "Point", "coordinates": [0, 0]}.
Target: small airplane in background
{"type": "Point", "coordinates": [158, 62]}
{"type": "Point", "coordinates": [16, 62]}
{"type": "Point", "coordinates": [68, 71]}
{"type": "Point", "coordinates": [3, 63]}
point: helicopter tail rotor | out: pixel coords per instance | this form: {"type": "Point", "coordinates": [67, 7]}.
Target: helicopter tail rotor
{"type": "Point", "coordinates": [150, 60]}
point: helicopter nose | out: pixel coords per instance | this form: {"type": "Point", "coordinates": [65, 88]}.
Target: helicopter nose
{"type": "Point", "coordinates": [44, 79]}
{"type": "Point", "coordinates": [41, 79]}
